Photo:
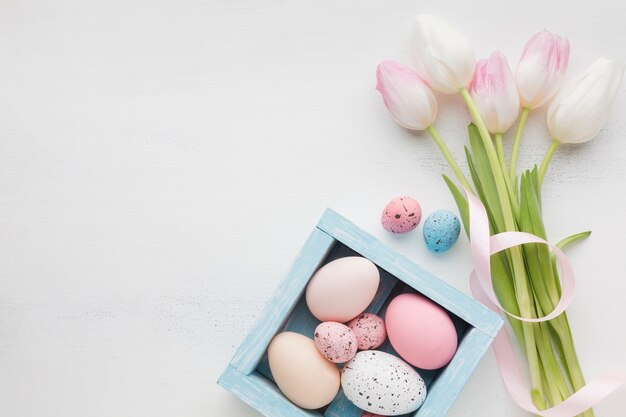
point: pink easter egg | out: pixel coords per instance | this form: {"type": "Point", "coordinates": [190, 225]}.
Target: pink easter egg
{"type": "Point", "coordinates": [369, 330]}
{"type": "Point", "coordinates": [401, 215]}
{"type": "Point", "coordinates": [420, 331]}
{"type": "Point", "coordinates": [366, 414]}
{"type": "Point", "coordinates": [335, 341]}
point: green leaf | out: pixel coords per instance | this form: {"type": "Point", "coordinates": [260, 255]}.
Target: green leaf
{"type": "Point", "coordinates": [573, 239]}
{"type": "Point", "coordinates": [557, 385]}
{"type": "Point", "coordinates": [531, 193]}
{"type": "Point", "coordinates": [538, 257]}
{"type": "Point", "coordinates": [531, 254]}
{"type": "Point", "coordinates": [474, 175]}
{"type": "Point", "coordinates": [562, 245]}
{"type": "Point", "coordinates": [502, 281]}
{"type": "Point", "coordinates": [501, 271]}
{"type": "Point", "coordinates": [461, 203]}
{"type": "Point", "coordinates": [484, 174]}
{"type": "Point", "coordinates": [538, 399]}
{"type": "Point", "coordinates": [479, 188]}
{"type": "Point", "coordinates": [558, 344]}
{"type": "Point", "coordinates": [534, 177]}
{"type": "Point", "coordinates": [501, 274]}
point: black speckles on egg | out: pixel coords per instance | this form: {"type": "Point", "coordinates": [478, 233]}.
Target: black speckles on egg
{"type": "Point", "coordinates": [382, 383]}
{"type": "Point", "coordinates": [401, 215]}
{"type": "Point", "coordinates": [369, 330]}
{"type": "Point", "coordinates": [441, 230]}
{"type": "Point", "coordinates": [335, 341]}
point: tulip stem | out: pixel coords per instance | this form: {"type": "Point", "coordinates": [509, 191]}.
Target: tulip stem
{"type": "Point", "coordinates": [500, 149]}
{"type": "Point", "coordinates": [519, 268]}
{"type": "Point", "coordinates": [546, 159]}
{"type": "Point", "coordinates": [517, 141]}
{"type": "Point", "coordinates": [509, 186]}
{"type": "Point", "coordinates": [571, 364]}
{"type": "Point", "coordinates": [446, 153]}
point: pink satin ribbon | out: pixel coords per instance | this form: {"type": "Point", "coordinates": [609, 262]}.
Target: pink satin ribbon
{"type": "Point", "coordinates": [483, 246]}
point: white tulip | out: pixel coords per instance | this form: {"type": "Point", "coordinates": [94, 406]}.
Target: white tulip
{"type": "Point", "coordinates": [444, 57]}
{"type": "Point", "coordinates": [580, 109]}
{"type": "Point", "coordinates": [408, 98]}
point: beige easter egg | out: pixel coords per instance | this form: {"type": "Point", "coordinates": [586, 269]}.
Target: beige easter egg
{"type": "Point", "coordinates": [342, 289]}
{"type": "Point", "coordinates": [303, 375]}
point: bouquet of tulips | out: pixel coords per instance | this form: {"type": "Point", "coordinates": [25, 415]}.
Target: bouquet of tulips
{"type": "Point", "coordinates": [525, 278]}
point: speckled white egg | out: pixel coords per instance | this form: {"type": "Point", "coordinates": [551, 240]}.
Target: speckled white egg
{"type": "Point", "coordinates": [441, 230]}
{"type": "Point", "coordinates": [381, 383]}
{"type": "Point", "coordinates": [335, 341]}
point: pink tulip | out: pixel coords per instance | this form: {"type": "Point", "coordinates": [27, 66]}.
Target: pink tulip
{"type": "Point", "coordinates": [408, 98]}
{"type": "Point", "coordinates": [495, 93]}
{"type": "Point", "coordinates": [542, 68]}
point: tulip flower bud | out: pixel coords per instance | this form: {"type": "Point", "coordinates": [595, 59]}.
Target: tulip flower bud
{"type": "Point", "coordinates": [444, 57]}
{"type": "Point", "coordinates": [541, 68]}
{"type": "Point", "coordinates": [580, 109]}
{"type": "Point", "coordinates": [494, 91]}
{"type": "Point", "coordinates": [409, 99]}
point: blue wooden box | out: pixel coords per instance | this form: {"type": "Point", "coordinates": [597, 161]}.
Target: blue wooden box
{"type": "Point", "coordinates": [248, 375]}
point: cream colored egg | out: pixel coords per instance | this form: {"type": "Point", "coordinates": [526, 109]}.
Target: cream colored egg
{"type": "Point", "coordinates": [303, 375]}
{"type": "Point", "coordinates": [342, 289]}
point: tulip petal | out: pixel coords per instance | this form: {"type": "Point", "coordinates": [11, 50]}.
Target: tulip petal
{"type": "Point", "coordinates": [408, 98]}
{"type": "Point", "coordinates": [581, 108]}
{"type": "Point", "coordinates": [494, 91]}
{"type": "Point", "coordinates": [444, 57]}
{"type": "Point", "coordinates": [541, 68]}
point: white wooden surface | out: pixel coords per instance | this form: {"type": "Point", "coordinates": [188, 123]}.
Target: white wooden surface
{"type": "Point", "coordinates": [161, 162]}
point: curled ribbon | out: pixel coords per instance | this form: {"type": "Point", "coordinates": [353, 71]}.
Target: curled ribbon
{"type": "Point", "coordinates": [483, 246]}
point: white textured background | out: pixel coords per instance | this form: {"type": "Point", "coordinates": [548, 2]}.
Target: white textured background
{"type": "Point", "coordinates": [161, 163]}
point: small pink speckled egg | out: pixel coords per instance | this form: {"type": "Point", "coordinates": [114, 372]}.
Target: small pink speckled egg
{"type": "Point", "coordinates": [369, 330]}
{"type": "Point", "coordinates": [366, 414]}
{"type": "Point", "coordinates": [401, 215]}
{"type": "Point", "coordinates": [335, 341]}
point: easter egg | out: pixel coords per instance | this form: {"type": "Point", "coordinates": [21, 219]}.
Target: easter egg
{"type": "Point", "coordinates": [366, 414]}
{"type": "Point", "coordinates": [369, 330]}
{"type": "Point", "coordinates": [401, 215]}
{"type": "Point", "coordinates": [342, 289]}
{"type": "Point", "coordinates": [420, 331]}
{"type": "Point", "coordinates": [381, 383]}
{"type": "Point", "coordinates": [335, 341]}
{"type": "Point", "coordinates": [303, 375]}
{"type": "Point", "coordinates": [441, 230]}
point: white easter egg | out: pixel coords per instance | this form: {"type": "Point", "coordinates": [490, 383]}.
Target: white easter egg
{"type": "Point", "coordinates": [381, 383]}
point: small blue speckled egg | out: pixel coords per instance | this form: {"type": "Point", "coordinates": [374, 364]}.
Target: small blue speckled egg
{"type": "Point", "coordinates": [441, 230]}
